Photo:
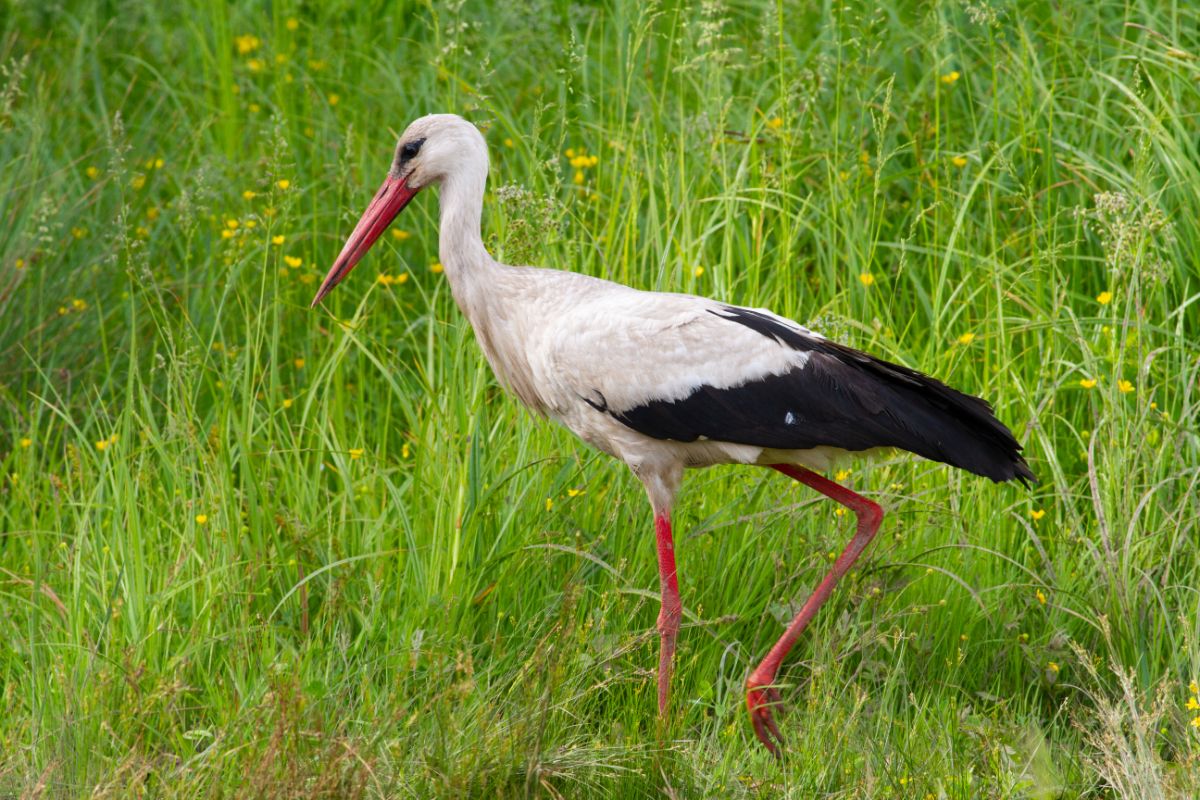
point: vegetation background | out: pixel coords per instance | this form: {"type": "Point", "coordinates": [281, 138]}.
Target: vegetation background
{"type": "Point", "coordinates": [250, 549]}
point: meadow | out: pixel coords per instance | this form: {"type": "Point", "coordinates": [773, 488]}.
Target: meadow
{"type": "Point", "coordinates": [249, 549]}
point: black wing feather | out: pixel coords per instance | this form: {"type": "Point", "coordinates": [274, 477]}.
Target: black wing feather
{"type": "Point", "coordinates": [840, 398]}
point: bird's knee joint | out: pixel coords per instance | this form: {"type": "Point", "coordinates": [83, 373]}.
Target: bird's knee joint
{"type": "Point", "coordinates": [870, 515]}
{"type": "Point", "coordinates": [669, 618]}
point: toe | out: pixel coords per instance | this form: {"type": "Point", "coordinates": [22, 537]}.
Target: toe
{"type": "Point", "coordinates": [759, 700]}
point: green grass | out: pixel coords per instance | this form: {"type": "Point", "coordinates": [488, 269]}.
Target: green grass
{"type": "Point", "coordinates": [248, 549]}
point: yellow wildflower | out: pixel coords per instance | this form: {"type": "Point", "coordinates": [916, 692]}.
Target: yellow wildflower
{"type": "Point", "coordinates": [138, 181]}
{"type": "Point", "coordinates": [578, 177]}
{"type": "Point", "coordinates": [78, 232]}
{"type": "Point", "coordinates": [246, 43]}
{"type": "Point", "coordinates": [404, 451]}
{"type": "Point", "coordinates": [79, 304]}
{"type": "Point", "coordinates": [570, 152]}
{"type": "Point", "coordinates": [508, 142]}
{"type": "Point", "coordinates": [158, 163]}
{"type": "Point", "coordinates": [287, 402]}
{"type": "Point", "coordinates": [292, 261]}
{"type": "Point", "coordinates": [549, 504]}
{"type": "Point", "coordinates": [775, 123]}
{"type": "Point", "coordinates": [1192, 705]}
{"type": "Point", "coordinates": [283, 184]}
{"type": "Point", "coordinates": [1104, 298]}
{"type": "Point", "coordinates": [574, 492]}
{"type": "Point", "coordinates": [966, 338]}
{"type": "Point", "coordinates": [292, 24]}
{"type": "Point", "coordinates": [1041, 598]}
{"type": "Point", "coordinates": [19, 263]}
{"type": "Point", "coordinates": [1195, 723]}
{"type": "Point", "coordinates": [1037, 513]}
{"type": "Point", "coordinates": [1194, 688]}
{"type": "Point", "coordinates": [842, 474]}
{"type": "Point", "coordinates": [402, 277]}
{"type": "Point", "coordinates": [231, 224]}
{"type": "Point", "coordinates": [950, 77]}
{"type": "Point", "coordinates": [255, 65]}
{"type": "Point", "coordinates": [152, 213]}
{"type": "Point", "coordinates": [249, 194]}
{"type": "Point", "coordinates": [227, 234]}
{"type": "Point", "coordinates": [316, 64]}
{"type": "Point", "coordinates": [26, 441]}
{"type": "Point", "coordinates": [281, 58]}
{"type": "Point", "coordinates": [356, 453]}
{"type": "Point", "coordinates": [1087, 383]}
{"type": "Point", "coordinates": [400, 235]}
{"type": "Point", "coordinates": [202, 519]}
{"type": "Point", "coordinates": [334, 99]}
{"type": "Point", "coordinates": [959, 161]}
{"type": "Point", "coordinates": [1052, 666]}
{"type": "Point", "coordinates": [102, 444]}
{"type": "Point", "coordinates": [278, 239]}
{"type": "Point", "coordinates": [298, 363]}
{"type": "Point", "coordinates": [698, 271]}
{"type": "Point", "coordinates": [251, 223]}
{"type": "Point", "coordinates": [436, 267]}
{"type": "Point", "coordinates": [1124, 386]}
{"type": "Point", "coordinates": [866, 279]}
{"type": "Point", "coordinates": [92, 172]}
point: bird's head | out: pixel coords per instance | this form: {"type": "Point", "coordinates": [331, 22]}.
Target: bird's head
{"type": "Point", "coordinates": [434, 149]}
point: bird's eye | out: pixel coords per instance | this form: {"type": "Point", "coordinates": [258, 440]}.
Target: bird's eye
{"type": "Point", "coordinates": [410, 149]}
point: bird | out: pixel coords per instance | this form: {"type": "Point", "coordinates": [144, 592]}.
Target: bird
{"type": "Point", "coordinates": [666, 382]}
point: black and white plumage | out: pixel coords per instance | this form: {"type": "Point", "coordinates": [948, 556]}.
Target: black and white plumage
{"type": "Point", "coordinates": [838, 397]}
{"type": "Point", "coordinates": [670, 381]}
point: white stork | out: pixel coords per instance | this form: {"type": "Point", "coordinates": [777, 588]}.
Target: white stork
{"type": "Point", "coordinates": [669, 381]}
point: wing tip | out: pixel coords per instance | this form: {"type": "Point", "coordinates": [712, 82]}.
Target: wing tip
{"type": "Point", "coordinates": [1013, 467]}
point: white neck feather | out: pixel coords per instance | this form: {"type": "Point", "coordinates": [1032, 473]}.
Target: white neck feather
{"type": "Point", "coordinates": [477, 281]}
{"type": "Point", "coordinates": [460, 244]}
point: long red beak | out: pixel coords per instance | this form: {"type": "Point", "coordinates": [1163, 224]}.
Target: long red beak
{"type": "Point", "coordinates": [389, 201]}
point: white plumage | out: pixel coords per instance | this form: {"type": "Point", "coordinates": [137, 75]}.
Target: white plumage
{"type": "Point", "coordinates": [669, 381]}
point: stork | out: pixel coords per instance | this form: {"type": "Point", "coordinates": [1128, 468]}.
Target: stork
{"type": "Point", "coordinates": [665, 382]}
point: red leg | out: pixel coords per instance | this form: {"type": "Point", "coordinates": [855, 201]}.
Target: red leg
{"type": "Point", "coordinates": [760, 694]}
{"type": "Point", "coordinates": [671, 611]}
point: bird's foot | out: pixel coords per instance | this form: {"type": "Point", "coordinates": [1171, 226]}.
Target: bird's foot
{"type": "Point", "coordinates": [760, 698]}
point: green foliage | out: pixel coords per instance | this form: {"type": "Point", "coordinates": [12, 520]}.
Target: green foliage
{"type": "Point", "coordinates": [249, 548]}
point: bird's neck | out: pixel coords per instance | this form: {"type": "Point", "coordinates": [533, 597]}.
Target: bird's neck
{"type": "Point", "coordinates": [479, 286]}
{"type": "Point", "coordinates": [460, 245]}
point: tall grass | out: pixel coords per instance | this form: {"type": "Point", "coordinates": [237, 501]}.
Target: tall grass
{"type": "Point", "coordinates": [248, 548]}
